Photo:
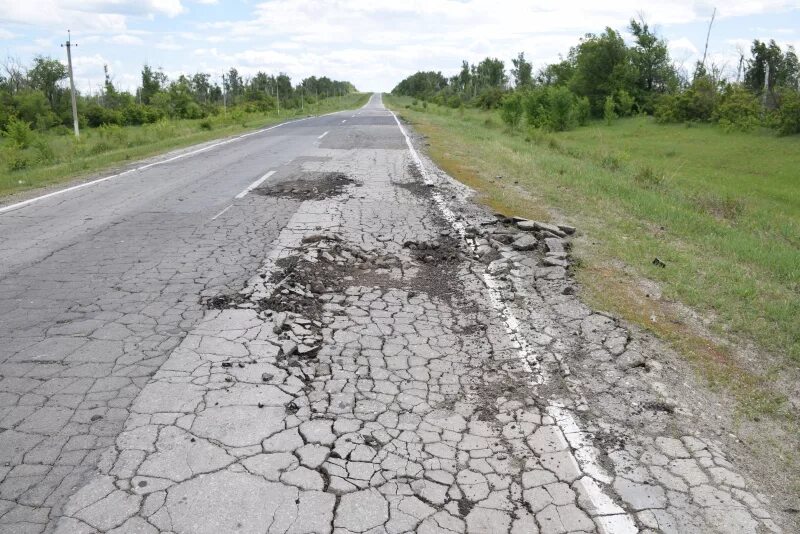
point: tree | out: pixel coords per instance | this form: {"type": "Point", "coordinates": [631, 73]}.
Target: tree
{"type": "Point", "coordinates": [654, 73]}
{"type": "Point", "coordinates": [491, 73]}
{"type": "Point", "coordinates": [45, 75]}
{"type": "Point", "coordinates": [152, 83]}
{"type": "Point", "coordinates": [522, 71]}
{"type": "Point", "coordinates": [602, 67]}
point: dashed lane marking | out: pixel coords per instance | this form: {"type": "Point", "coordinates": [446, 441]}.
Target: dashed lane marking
{"type": "Point", "coordinates": [220, 213]}
{"type": "Point", "coordinates": [254, 185]}
{"type": "Point", "coordinates": [323, 135]}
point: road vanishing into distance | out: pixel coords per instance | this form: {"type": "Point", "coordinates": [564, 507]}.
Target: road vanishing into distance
{"type": "Point", "coordinates": [310, 329]}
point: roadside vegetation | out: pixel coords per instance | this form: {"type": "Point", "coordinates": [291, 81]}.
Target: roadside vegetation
{"type": "Point", "coordinates": [697, 171]}
{"type": "Point", "coordinates": [38, 148]}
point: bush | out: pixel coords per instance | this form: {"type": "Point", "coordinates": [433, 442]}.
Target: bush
{"type": "Point", "coordinates": [583, 110]}
{"type": "Point", "coordinates": [18, 132]}
{"type": "Point", "coordinates": [44, 152]}
{"type": "Point", "coordinates": [96, 115]}
{"type": "Point", "coordinates": [609, 110]}
{"type": "Point", "coordinates": [562, 116]}
{"type": "Point", "coordinates": [697, 103]}
{"type": "Point", "coordinates": [454, 102]}
{"type": "Point", "coordinates": [511, 109]}
{"type": "Point", "coordinates": [490, 98]}
{"type": "Point", "coordinates": [205, 124]}
{"type": "Point", "coordinates": [536, 104]}
{"type": "Point", "coordinates": [738, 109]}
{"type": "Point", "coordinates": [786, 119]}
{"type": "Point", "coordinates": [15, 158]}
{"type": "Point", "coordinates": [113, 133]}
{"type": "Point", "coordinates": [624, 103]}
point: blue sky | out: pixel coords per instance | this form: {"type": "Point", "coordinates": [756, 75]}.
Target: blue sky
{"type": "Point", "coordinates": [372, 43]}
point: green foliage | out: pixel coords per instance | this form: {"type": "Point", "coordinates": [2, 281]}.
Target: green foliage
{"type": "Point", "coordinates": [609, 110]}
{"type": "Point", "coordinates": [206, 124]}
{"type": "Point", "coordinates": [18, 132]}
{"type": "Point", "coordinates": [16, 159]}
{"type": "Point", "coordinates": [583, 110]}
{"type": "Point", "coordinates": [738, 110]}
{"type": "Point", "coordinates": [786, 119]}
{"type": "Point", "coordinates": [44, 152]}
{"type": "Point", "coordinates": [697, 103]}
{"type": "Point", "coordinates": [511, 109]}
{"type": "Point", "coordinates": [536, 104]}
{"type": "Point", "coordinates": [602, 67]}
{"type": "Point", "coordinates": [625, 103]}
{"type": "Point", "coordinates": [562, 109]}
{"type": "Point", "coordinates": [490, 98]}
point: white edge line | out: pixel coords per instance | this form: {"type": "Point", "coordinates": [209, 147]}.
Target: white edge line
{"type": "Point", "coordinates": [24, 203]}
{"type": "Point", "coordinates": [344, 121]}
{"type": "Point", "coordinates": [323, 135]}
{"type": "Point", "coordinates": [254, 185]}
{"type": "Point", "coordinates": [220, 213]}
{"type": "Point", "coordinates": [618, 521]}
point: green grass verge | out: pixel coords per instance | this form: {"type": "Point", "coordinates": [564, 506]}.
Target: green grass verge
{"type": "Point", "coordinates": [54, 159]}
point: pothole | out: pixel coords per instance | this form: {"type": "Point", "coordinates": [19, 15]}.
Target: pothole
{"type": "Point", "coordinates": [308, 186]}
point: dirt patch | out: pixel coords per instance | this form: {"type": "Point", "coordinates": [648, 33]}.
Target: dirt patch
{"type": "Point", "coordinates": [309, 186]}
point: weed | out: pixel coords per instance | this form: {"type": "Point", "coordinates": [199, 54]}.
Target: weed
{"type": "Point", "coordinates": [612, 162]}
{"type": "Point", "coordinates": [206, 124]}
{"type": "Point", "coordinates": [646, 176]}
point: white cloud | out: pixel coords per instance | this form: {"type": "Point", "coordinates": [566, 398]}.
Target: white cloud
{"type": "Point", "coordinates": [682, 45]}
{"type": "Point", "coordinates": [6, 35]}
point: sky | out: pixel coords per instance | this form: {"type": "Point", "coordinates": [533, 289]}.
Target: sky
{"type": "Point", "coordinates": [372, 43]}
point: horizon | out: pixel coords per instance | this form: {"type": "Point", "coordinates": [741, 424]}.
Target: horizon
{"type": "Point", "coordinates": [329, 39]}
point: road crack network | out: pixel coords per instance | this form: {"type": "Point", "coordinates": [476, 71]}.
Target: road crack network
{"type": "Point", "coordinates": [401, 361]}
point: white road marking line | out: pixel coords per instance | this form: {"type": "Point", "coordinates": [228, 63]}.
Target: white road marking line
{"type": "Point", "coordinates": [344, 121]}
{"type": "Point", "coordinates": [323, 135]}
{"type": "Point", "coordinates": [254, 185]}
{"type": "Point", "coordinates": [220, 213]}
{"type": "Point", "coordinates": [613, 518]}
{"type": "Point", "coordinates": [147, 166]}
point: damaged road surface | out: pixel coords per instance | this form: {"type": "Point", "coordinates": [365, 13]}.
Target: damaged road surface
{"type": "Point", "coordinates": [352, 347]}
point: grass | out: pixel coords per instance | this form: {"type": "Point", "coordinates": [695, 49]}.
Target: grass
{"type": "Point", "coordinates": [722, 210]}
{"type": "Point", "coordinates": [55, 158]}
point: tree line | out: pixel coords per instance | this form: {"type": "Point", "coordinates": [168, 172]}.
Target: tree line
{"type": "Point", "coordinates": [38, 96]}
{"type": "Point", "coordinates": [605, 77]}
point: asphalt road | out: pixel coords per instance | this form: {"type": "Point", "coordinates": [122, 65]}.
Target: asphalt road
{"type": "Point", "coordinates": [379, 357]}
{"type": "Point", "coordinates": [98, 284]}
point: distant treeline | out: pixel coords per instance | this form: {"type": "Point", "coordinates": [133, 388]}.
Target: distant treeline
{"type": "Point", "coordinates": [603, 77]}
{"type": "Point", "coordinates": [39, 96]}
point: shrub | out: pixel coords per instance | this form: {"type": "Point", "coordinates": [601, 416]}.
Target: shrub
{"type": "Point", "coordinates": [583, 110]}
{"type": "Point", "coordinates": [561, 116]}
{"type": "Point", "coordinates": [16, 159]}
{"type": "Point", "coordinates": [205, 124]}
{"type": "Point", "coordinates": [536, 104]}
{"type": "Point", "coordinates": [511, 109]}
{"type": "Point", "coordinates": [697, 103]}
{"type": "Point", "coordinates": [18, 132]}
{"type": "Point", "coordinates": [113, 133]}
{"type": "Point", "coordinates": [44, 152]}
{"type": "Point", "coordinates": [609, 110]}
{"type": "Point", "coordinates": [786, 119]}
{"type": "Point", "coordinates": [738, 109]}
{"type": "Point", "coordinates": [490, 98]}
{"type": "Point", "coordinates": [647, 177]}
{"type": "Point", "coordinates": [624, 103]}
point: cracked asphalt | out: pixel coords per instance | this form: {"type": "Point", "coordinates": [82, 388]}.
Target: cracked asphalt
{"type": "Point", "coordinates": [311, 332]}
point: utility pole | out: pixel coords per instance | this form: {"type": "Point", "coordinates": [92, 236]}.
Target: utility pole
{"type": "Point", "coordinates": [277, 96]}
{"type": "Point", "coordinates": [69, 46]}
{"type": "Point", "coordinates": [766, 83]}
{"type": "Point", "coordinates": [224, 95]}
